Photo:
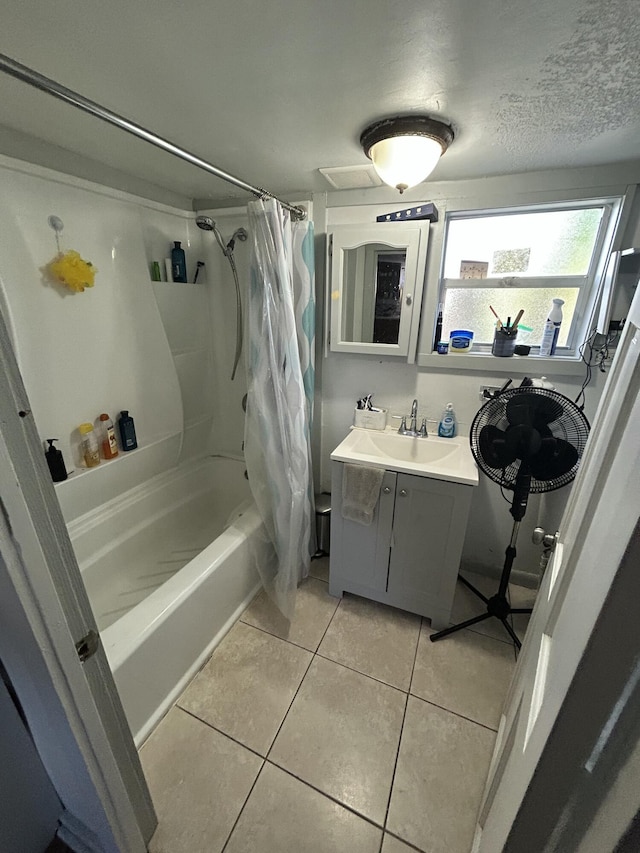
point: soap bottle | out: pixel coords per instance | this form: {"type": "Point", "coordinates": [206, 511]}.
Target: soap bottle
{"type": "Point", "coordinates": [447, 427]}
{"type": "Point", "coordinates": [90, 452]}
{"type": "Point", "coordinates": [55, 461]}
{"type": "Point", "coordinates": [127, 431]}
{"type": "Point", "coordinates": [178, 263]}
{"type": "Point", "coordinates": [109, 443]}
{"type": "Point", "coordinates": [552, 329]}
{"type": "Point", "coordinates": [438, 334]}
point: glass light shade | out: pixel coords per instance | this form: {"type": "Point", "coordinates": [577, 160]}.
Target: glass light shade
{"type": "Point", "coordinates": [404, 161]}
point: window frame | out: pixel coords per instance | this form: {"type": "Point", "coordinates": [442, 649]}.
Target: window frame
{"type": "Point", "coordinates": [590, 284]}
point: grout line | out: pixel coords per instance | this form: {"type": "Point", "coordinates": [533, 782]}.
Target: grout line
{"type": "Point", "coordinates": [313, 657]}
{"type": "Point", "coordinates": [286, 713]}
{"type": "Point", "coordinates": [455, 713]}
{"type": "Point", "coordinates": [409, 844]}
{"type": "Point", "coordinates": [277, 636]}
{"type": "Point", "coordinates": [325, 794]}
{"type": "Point", "coordinates": [246, 800]}
{"type": "Point", "coordinates": [359, 672]}
{"type": "Point", "coordinates": [415, 656]}
{"type": "Point", "coordinates": [404, 716]}
{"type": "Point", "coordinates": [220, 731]}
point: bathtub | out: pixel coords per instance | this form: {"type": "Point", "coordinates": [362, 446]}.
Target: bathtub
{"type": "Point", "coordinates": [169, 566]}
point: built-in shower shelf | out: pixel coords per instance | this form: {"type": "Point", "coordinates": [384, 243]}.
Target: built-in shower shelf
{"type": "Point", "coordinates": [81, 471]}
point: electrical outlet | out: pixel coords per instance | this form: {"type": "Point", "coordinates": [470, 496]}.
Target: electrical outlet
{"type": "Point", "coordinates": [489, 389]}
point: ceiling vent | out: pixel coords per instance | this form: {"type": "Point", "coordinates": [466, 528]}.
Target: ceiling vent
{"type": "Point", "coordinates": [352, 177]}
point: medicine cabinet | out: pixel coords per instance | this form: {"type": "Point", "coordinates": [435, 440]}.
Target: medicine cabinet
{"type": "Point", "coordinates": [375, 281]}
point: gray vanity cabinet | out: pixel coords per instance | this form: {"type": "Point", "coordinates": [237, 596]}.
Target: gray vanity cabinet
{"type": "Point", "coordinates": [410, 554]}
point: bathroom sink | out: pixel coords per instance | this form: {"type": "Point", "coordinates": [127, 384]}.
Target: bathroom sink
{"type": "Point", "coordinates": [438, 458]}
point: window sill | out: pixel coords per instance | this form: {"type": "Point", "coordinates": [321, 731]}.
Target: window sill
{"type": "Point", "coordinates": [519, 364]}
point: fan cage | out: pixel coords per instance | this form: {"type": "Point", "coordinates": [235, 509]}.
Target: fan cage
{"type": "Point", "coordinates": [571, 425]}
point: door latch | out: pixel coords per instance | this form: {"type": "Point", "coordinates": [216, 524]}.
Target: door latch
{"type": "Point", "coordinates": [87, 646]}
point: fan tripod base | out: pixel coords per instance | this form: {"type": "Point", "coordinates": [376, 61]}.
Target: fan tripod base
{"type": "Point", "coordinates": [497, 606]}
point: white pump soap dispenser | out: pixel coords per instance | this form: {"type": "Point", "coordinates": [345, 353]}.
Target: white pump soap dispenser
{"type": "Point", "coordinates": [447, 427]}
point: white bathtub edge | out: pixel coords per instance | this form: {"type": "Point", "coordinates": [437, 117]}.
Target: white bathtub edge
{"type": "Point", "coordinates": [143, 733]}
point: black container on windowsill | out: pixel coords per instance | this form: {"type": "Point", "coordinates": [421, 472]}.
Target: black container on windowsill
{"type": "Point", "coordinates": [504, 342]}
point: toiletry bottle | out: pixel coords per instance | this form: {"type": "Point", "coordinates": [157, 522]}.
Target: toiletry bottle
{"type": "Point", "coordinates": [438, 334]}
{"type": "Point", "coordinates": [108, 442]}
{"type": "Point", "coordinates": [447, 427]}
{"type": "Point", "coordinates": [178, 263]}
{"type": "Point", "coordinates": [127, 431]}
{"type": "Point", "coordinates": [55, 461]}
{"type": "Point", "coordinates": [90, 452]}
{"type": "Point", "coordinates": [552, 329]}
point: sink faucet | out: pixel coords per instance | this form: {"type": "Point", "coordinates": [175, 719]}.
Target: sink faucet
{"type": "Point", "coordinates": [412, 429]}
{"type": "Point", "coordinates": [414, 417]}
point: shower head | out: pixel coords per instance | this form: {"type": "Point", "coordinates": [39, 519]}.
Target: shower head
{"type": "Point", "coordinates": [206, 223]}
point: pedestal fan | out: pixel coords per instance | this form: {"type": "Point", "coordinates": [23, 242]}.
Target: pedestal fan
{"type": "Point", "coordinates": [526, 439]}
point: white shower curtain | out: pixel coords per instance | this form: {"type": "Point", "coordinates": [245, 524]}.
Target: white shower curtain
{"type": "Point", "coordinates": [280, 374]}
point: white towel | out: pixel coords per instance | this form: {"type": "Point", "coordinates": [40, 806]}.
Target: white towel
{"type": "Point", "coordinates": [360, 492]}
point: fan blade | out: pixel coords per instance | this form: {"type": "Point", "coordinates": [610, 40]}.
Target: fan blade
{"type": "Point", "coordinates": [532, 409]}
{"type": "Point", "coordinates": [494, 447]}
{"type": "Point", "coordinates": [555, 458]}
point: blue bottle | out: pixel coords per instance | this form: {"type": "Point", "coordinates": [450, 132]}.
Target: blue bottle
{"type": "Point", "coordinates": [178, 263]}
{"type": "Point", "coordinates": [448, 426]}
{"type": "Point", "coordinates": [128, 438]}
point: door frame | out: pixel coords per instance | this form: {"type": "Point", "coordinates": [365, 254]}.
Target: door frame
{"type": "Point", "coordinates": [581, 607]}
{"type": "Point", "coordinates": [72, 709]}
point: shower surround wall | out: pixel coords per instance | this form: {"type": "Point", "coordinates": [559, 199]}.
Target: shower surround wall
{"type": "Point", "coordinates": [142, 523]}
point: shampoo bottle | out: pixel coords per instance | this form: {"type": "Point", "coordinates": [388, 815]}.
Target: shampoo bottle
{"type": "Point", "coordinates": [178, 263]}
{"type": "Point", "coordinates": [127, 431]}
{"type": "Point", "coordinates": [447, 427]}
{"type": "Point", "coordinates": [55, 462]}
{"type": "Point", "coordinates": [552, 329]}
{"type": "Point", "coordinates": [108, 442]}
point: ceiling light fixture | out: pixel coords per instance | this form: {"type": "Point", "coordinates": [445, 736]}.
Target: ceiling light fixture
{"type": "Point", "coordinates": [406, 149]}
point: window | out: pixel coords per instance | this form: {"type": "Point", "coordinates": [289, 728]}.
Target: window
{"type": "Point", "coordinates": [522, 258]}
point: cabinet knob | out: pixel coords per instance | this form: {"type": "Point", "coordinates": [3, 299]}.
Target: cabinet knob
{"type": "Point", "coordinates": [386, 490]}
{"type": "Point", "coordinates": [403, 493]}
{"type": "Point", "coordinates": [408, 299]}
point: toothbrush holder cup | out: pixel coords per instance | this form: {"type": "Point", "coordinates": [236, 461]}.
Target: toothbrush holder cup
{"type": "Point", "coordinates": [504, 342]}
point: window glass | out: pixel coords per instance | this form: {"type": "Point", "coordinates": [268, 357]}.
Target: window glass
{"type": "Point", "coordinates": [468, 308]}
{"type": "Point", "coordinates": [556, 242]}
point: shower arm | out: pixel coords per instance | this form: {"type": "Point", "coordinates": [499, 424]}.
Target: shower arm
{"type": "Point", "coordinates": [45, 84]}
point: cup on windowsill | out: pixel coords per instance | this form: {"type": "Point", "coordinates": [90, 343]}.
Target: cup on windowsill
{"type": "Point", "coordinates": [504, 342]}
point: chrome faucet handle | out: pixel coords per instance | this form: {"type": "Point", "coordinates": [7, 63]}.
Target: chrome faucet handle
{"type": "Point", "coordinates": [403, 425]}
{"type": "Point", "coordinates": [423, 429]}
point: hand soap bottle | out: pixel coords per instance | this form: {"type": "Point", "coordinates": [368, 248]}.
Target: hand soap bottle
{"type": "Point", "coordinates": [55, 462]}
{"type": "Point", "coordinates": [448, 426]}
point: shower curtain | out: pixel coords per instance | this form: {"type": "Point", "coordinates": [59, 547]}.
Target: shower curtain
{"type": "Point", "coordinates": [280, 374]}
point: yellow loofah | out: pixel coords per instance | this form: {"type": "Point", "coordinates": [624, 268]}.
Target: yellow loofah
{"type": "Point", "coordinates": [72, 271]}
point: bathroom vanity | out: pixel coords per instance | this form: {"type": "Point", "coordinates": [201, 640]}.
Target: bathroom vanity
{"type": "Point", "coordinates": [409, 555]}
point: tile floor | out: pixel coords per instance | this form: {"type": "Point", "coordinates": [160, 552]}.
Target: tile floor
{"type": "Point", "coordinates": [350, 732]}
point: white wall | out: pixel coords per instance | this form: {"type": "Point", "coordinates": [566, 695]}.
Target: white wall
{"type": "Point", "coordinates": [109, 348]}
{"type": "Point", "coordinates": [394, 383]}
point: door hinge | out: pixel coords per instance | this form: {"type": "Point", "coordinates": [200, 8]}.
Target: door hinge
{"type": "Point", "coordinates": [87, 646]}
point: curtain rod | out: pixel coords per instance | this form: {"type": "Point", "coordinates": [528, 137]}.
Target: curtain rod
{"type": "Point", "coordinates": [45, 84]}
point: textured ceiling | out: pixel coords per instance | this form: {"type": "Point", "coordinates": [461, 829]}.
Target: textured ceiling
{"type": "Point", "coordinates": [273, 91]}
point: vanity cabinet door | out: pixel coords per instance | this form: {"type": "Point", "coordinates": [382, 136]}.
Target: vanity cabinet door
{"type": "Point", "coordinates": [428, 533]}
{"type": "Point", "coordinates": [360, 553]}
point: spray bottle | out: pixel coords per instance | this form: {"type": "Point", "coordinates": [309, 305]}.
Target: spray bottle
{"type": "Point", "coordinates": [552, 329]}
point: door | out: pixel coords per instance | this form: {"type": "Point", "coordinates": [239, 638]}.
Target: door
{"type": "Point", "coordinates": [596, 531]}
{"type": "Point", "coordinates": [71, 707]}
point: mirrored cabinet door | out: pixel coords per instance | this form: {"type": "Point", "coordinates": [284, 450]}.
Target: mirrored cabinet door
{"type": "Point", "coordinates": [376, 275]}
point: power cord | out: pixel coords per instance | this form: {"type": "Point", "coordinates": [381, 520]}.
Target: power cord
{"type": "Point", "coordinates": [594, 354]}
